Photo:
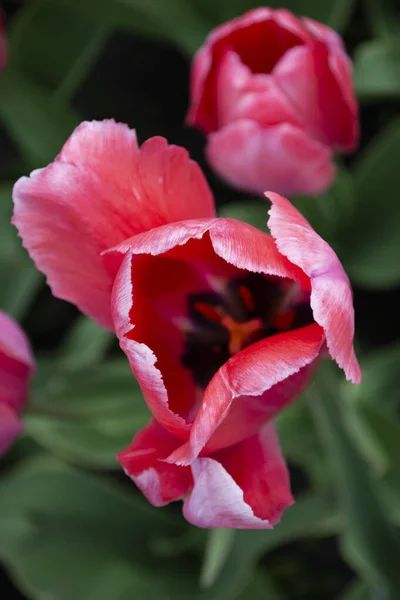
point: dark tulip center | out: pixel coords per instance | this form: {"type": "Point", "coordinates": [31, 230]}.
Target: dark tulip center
{"type": "Point", "coordinates": [243, 311]}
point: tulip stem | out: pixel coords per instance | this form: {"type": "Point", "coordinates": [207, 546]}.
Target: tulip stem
{"type": "Point", "coordinates": [218, 547]}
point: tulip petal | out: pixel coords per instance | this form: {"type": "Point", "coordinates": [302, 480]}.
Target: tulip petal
{"type": "Point", "coordinates": [16, 365]}
{"type": "Point", "coordinates": [251, 372]}
{"type": "Point", "coordinates": [259, 38]}
{"type": "Point", "coordinates": [317, 81]}
{"type": "Point", "coordinates": [142, 461]}
{"type": "Point", "coordinates": [101, 190]}
{"type": "Point", "coordinates": [156, 359]}
{"type": "Point", "coordinates": [245, 486]}
{"type": "Point", "coordinates": [10, 426]}
{"type": "Point", "coordinates": [331, 296]}
{"type": "Point", "coordinates": [280, 157]}
{"type": "Point", "coordinates": [242, 95]}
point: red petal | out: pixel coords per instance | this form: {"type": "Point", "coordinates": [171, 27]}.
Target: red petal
{"type": "Point", "coordinates": [100, 190]}
{"type": "Point", "coordinates": [251, 372]}
{"type": "Point", "coordinates": [245, 486]}
{"type": "Point", "coordinates": [16, 364]}
{"type": "Point", "coordinates": [152, 346]}
{"type": "Point", "coordinates": [281, 157]}
{"type": "Point", "coordinates": [317, 81]}
{"type": "Point", "coordinates": [259, 38]}
{"type": "Point", "coordinates": [160, 482]}
{"type": "Point", "coordinates": [331, 296]}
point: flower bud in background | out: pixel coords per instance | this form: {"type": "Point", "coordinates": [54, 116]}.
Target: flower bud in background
{"type": "Point", "coordinates": [274, 94]}
{"type": "Point", "coordinates": [16, 368]}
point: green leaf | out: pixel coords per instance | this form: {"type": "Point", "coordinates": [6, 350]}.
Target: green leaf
{"type": "Point", "coordinates": [377, 69]}
{"type": "Point", "coordinates": [40, 46]}
{"type": "Point", "coordinates": [86, 416]}
{"type": "Point", "coordinates": [254, 212]}
{"type": "Point", "coordinates": [335, 13]}
{"type": "Point", "coordinates": [74, 535]}
{"type": "Point", "coordinates": [16, 268]}
{"type": "Point", "coordinates": [310, 516]}
{"type": "Point", "coordinates": [219, 543]}
{"type": "Point", "coordinates": [37, 123]}
{"type": "Point", "coordinates": [85, 345]}
{"type": "Point", "coordinates": [359, 591]}
{"type": "Point", "coordinates": [368, 540]}
{"type": "Point", "coordinates": [381, 380]}
{"type": "Point", "coordinates": [261, 587]}
{"type": "Point", "coordinates": [176, 20]}
{"type": "Point", "coordinates": [370, 244]}
{"type": "Point", "coordinates": [383, 17]}
{"type": "Point", "coordinates": [330, 212]}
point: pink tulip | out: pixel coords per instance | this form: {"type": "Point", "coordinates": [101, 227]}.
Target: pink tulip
{"type": "Point", "coordinates": [223, 324]}
{"type": "Point", "coordinates": [16, 367]}
{"type": "Point", "coordinates": [274, 95]}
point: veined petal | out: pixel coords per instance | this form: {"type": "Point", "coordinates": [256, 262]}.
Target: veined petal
{"type": "Point", "coordinates": [331, 295]}
{"type": "Point", "coordinates": [101, 190]}
{"type": "Point", "coordinates": [142, 461]}
{"type": "Point", "coordinates": [245, 486]}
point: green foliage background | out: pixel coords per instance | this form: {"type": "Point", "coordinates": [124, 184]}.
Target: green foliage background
{"type": "Point", "coordinates": [72, 527]}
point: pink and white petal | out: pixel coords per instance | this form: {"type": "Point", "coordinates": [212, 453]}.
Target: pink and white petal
{"type": "Point", "coordinates": [10, 427]}
{"type": "Point", "coordinates": [323, 103]}
{"type": "Point", "coordinates": [142, 461]}
{"type": "Point", "coordinates": [191, 252]}
{"type": "Point", "coordinates": [101, 190]}
{"type": "Point", "coordinates": [251, 372]}
{"type": "Point", "coordinates": [281, 157]}
{"type": "Point", "coordinates": [245, 486]}
{"type": "Point", "coordinates": [248, 413]}
{"type": "Point", "coordinates": [331, 295]}
{"type": "Point", "coordinates": [142, 359]}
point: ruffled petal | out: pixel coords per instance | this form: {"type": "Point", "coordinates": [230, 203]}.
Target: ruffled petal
{"type": "Point", "coordinates": [142, 461]}
{"type": "Point", "coordinates": [281, 157]}
{"type": "Point", "coordinates": [317, 82]}
{"type": "Point", "coordinates": [331, 295]}
{"type": "Point", "coordinates": [101, 190]}
{"type": "Point", "coordinates": [250, 373]}
{"type": "Point", "coordinates": [245, 486]}
{"type": "Point", "coordinates": [157, 364]}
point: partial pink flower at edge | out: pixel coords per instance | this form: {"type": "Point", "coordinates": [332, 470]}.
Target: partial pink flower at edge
{"type": "Point", "coordinates": [16, 368]}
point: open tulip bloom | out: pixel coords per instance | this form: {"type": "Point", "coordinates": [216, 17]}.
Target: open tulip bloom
{"type": "Point", "coordinates": [274, 95]}
{"type": "Point", "coordinates": [223, 324]}
{"type": "Point", "coordinates": [16, 368]}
